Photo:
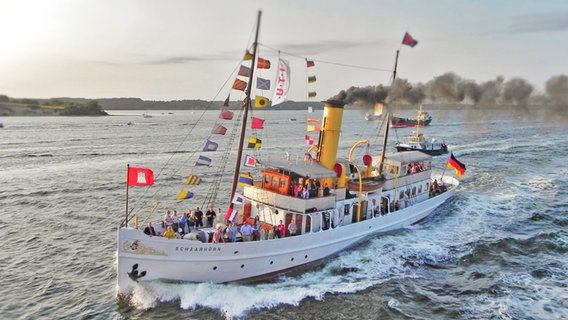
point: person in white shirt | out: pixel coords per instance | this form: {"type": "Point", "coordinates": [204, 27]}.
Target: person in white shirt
{"type": "Point", "coordinates": [292, 228]}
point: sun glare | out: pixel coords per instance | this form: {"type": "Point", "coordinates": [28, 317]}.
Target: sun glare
{"type": "Point", "coordinates": [25, 27]}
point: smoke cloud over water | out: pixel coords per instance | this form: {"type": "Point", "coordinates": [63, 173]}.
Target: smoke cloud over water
{"type": "Point", "coordinates": [516, 94]}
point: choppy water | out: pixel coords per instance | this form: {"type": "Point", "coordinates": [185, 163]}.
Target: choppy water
{"type": "Point", "coordinates": [497, 250]}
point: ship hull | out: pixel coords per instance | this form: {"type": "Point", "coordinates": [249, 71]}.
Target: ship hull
{"type": "Point", "coordinates": [431, 151]}
{"type": "Point", "coordinates": [405, 122]}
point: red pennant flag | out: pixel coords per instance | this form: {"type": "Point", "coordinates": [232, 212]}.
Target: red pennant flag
{"type": "Point", "coordinates": [257, 123]}
{"type": "Point", "coordinates": [310, 63]}
{"type": "Point", "coordinates": [219, 129]}
{"type": "Point", "coordinates": [409, 40]}
{"type": "Point", "coordinates": [226, 115]}
{"type": "Point", "coordinates": [139, 177]}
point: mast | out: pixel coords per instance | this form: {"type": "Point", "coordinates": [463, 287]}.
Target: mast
{"type": "Point", "coordinates": [388, 116]}
{"type": "Point", "coordinates": [246, 106]}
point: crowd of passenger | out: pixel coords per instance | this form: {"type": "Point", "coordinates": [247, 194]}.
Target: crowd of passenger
{"type": "Point", "coordinates": [437, 188]}
{"type": "Point", "coordinates": [250, 230]}
{"type": "Point", "coordinates": [415, 167]}
{"type": "Point", "coordinates": [307, 188]}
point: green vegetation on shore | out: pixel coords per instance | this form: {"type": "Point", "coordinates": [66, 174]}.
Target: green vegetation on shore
{"type": "Point", "coordinates": [52, 107]}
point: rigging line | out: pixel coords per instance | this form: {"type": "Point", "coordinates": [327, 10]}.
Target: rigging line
{"type": "Point", "coordinates": [190, 131]}
{"type": "Point", "coordinates": [213, 190]}
{"type": "Point", "coordinates": [208, 106]}
{"type": "Point", "coordinates": [327, 62]}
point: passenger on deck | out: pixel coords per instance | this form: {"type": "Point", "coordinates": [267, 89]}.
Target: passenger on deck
{"type": "Point", "coordinates": [281, 230]}
{"type": "Point", "coordinates": [292, 189]}
{"type": "Point", "coordinates": [384, 206]}
{"type": "Point", "coordinates": [434, 188]}
{"type": "Point", "coordinates": [175, 218]}
{"type": "Point", "coordinates": [198, 217]}
{"type": "Point", "coordinates": [246, 231]}
{"type": "Point", "coordinates": [190, 221]}
{"type": "Point", "coordinates": [169, 233]}
{"type": "Point", "coordinates": [256, 228]}
{"type": "Point", "coordinates": [210, 215]}
{"type": "Point", "coordinates": [149, 230]}
{"type": "Point", "coordinates": [168, 220]}
{"type": "Point", "coordinates": [218, 235]}
{"type": "Point", "coordinates": [406, 198]}
{"type": "Point", "coordinates": [231, 232]}
{"type": "Point", "coordinates": [292, 228]}
{"type": "Point", "coordinates": [183, 223]}
{"type": "Point", "coordinates": [298, 191]}
{"type": "Point", "coordinates": [442, 187]}
{"type": "Point", "coordinates": [312, 189]}
{"type": "Point", "coordinates": [414, 169]}
{"type": "Point", "coordinates": [325, 190]}
{"type": "Point", "coordinates": [305, 193]}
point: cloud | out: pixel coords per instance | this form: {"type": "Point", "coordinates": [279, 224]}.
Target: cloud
{"type": "Point", "coordinates": [313, 48]}
{"type": "Point", "coordinates": [177, 60]}
{"type": "Point", "coordinates": [540, 22]}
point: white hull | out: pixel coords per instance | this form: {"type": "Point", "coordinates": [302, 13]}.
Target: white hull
{"type": "Point", "coordinates": [194, 261]}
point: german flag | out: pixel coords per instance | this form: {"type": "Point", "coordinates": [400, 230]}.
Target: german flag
{"type": "Point", "coordinates": [458, 167]}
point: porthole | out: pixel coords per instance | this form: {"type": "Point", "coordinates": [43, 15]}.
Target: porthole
{"type": "Point", "coordinates": [215, 268]}
{"type": "Point", "coordinates": [242, 266]}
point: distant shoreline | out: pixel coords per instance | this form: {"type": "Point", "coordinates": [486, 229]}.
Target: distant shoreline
{"type": "Point", "coordinates": [8, 109]}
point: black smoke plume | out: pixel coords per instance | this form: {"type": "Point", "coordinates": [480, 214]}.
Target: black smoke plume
{"type": "Point", "coordinates": [449, 88]}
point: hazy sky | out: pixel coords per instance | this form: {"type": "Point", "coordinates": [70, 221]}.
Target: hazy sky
{"type": "Point", "coordinates": [186, 49]}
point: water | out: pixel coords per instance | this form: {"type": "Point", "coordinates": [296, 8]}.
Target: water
{"type": "Point", "coordinates": [497, 250]}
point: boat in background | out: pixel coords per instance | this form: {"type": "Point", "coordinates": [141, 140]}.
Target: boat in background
{"type": "Point", "coordinates": [342, 203]}
{"type": "Point", "coordinates": [422, 118]}
{"type": "Point", "coordinates": [417, 142]}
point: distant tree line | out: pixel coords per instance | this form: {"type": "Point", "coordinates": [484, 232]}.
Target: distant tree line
{"type": "Point", "coordinates": [57, 107]}
{"type": "Point", "coordinates": [91, 108]}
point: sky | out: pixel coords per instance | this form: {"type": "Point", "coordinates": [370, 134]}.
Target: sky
{"type": "Point", "coordinates": [187, 49]}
